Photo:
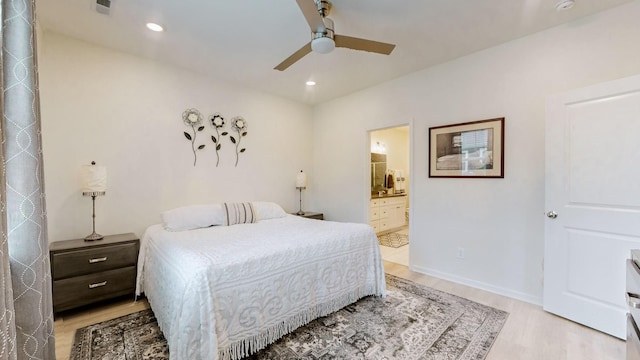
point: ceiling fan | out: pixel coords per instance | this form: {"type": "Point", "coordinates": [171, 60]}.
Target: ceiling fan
{"type": "Point", "coordinates": [323, 39]}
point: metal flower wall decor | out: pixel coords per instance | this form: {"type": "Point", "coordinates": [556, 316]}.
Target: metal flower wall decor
{"type": "Point", "coordinates": [217, 121]}
{"type": "Point", "coordinates": [239, 125]}
{"type": "Point", "coordinates": [193, 118]}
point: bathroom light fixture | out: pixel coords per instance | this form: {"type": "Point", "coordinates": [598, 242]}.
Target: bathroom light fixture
{"type": "Point", "coordinates": [311, 83]}
{"type": "Point", "coordinates": [301, 184]}
{"type": "Point", "coordinates": [94, 183]}
{"type": "Point", "coordinates": [154, 27]}
{"type": "Point", "coordinates": [379, 148]}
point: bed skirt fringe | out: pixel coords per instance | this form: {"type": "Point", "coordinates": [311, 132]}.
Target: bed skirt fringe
{"type": "Point", "coordinates": [243, 348]}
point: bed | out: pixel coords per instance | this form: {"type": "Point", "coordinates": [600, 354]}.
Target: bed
{"type": "Point", "coordinates": [224, 292]}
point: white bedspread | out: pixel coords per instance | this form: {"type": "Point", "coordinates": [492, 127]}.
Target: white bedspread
{"type": "Point", "coordinates": [225, 291]}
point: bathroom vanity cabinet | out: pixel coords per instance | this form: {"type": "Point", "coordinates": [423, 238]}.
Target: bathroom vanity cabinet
{"type": "Point", "coordinates": [387, 212]}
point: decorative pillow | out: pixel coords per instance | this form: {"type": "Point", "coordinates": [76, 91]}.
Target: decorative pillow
{"type": "Point", "coordinates": [268, 210]}
{"type": "Point", "coordinates": [239, 213]}
{"type": "Point", "coordinates": [193, 217]}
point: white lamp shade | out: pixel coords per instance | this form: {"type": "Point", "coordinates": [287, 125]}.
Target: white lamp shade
{"type": "Point", "coordinates": [94, 179]}
{"type": "Point", "coordinates": [301, 180]}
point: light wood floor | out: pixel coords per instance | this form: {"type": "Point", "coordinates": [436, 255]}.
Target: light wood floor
{"type": "Point", "coordinates": [529, 332]}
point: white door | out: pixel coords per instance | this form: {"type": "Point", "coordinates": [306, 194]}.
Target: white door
{"type": "Point", "coordinates": [593, 188]}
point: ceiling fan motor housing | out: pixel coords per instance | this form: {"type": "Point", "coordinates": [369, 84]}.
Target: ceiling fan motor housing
{"type": "Point", "coordinates": [324, 7]}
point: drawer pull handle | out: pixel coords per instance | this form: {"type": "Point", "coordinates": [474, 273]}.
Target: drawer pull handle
{"type": "Point", "coordinates": [633, 300]}
{"type": "Point", "coordinates": [97, 260]}
{"type": "Point", "coordinates": [97, 285]}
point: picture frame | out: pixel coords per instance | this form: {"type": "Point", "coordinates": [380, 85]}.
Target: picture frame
{"type": "Point", "coordinates": [467, 150]}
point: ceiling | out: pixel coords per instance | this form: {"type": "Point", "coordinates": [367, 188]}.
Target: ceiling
{"type": "Point", "coordinates": [241, 41]}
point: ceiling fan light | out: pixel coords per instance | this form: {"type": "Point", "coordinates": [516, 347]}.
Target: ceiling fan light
{"type": "Point", "coordinates": [323, 45]}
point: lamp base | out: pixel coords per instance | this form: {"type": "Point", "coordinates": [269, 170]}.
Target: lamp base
{"type": "Point", "coordinates": [300, 188]}
{"type": "Point", "coordinates": [93, 237]}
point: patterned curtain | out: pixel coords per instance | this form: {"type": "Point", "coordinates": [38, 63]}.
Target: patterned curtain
{"type": "Point", "coordinates": [27, 313]}
{"type": "Point", "coordinates": [7, 323]}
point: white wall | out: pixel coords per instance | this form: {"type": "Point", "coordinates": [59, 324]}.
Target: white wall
{"type": "Point", "coordinates": [125, 112]}
{"type": "Point", "coordinates": [499, 222]}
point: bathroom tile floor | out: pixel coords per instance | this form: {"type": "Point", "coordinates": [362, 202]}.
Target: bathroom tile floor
{"type": "Point", "coordinates": [397, 255]}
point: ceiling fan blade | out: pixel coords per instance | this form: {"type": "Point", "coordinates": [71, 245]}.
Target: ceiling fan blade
{"type": "Point", "coordinates": [310, 11]}
{"type": "Point", "coordinates": [363, 44]}
{"type": "Point", "coordinates": [295, 57]}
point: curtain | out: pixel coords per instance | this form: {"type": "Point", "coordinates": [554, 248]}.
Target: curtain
{"type": "Point", "coordinates": [27, 313]}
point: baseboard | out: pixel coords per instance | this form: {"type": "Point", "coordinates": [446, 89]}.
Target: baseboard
{"type": "Point", "coordinates": [479, 285]}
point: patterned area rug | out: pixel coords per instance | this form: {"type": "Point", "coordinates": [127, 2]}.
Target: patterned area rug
{"type": "Point", "coordinates": [412, 322]}
{"type": "Point", "coordinates": [394, 239]}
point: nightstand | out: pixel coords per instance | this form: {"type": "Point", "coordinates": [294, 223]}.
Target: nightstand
{"type": "Point", "coordinates": [84, 272]}
{"type": "Point", "coordinates": [312, 215]}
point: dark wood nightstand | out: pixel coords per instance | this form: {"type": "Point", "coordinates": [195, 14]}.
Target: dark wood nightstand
{"type": "Point", "coordinates": [312, 215]}
{"type": "Point", "coordinates": [84, 272]}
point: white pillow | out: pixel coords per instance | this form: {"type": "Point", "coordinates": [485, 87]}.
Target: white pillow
{"type": "Point", "coordinates": [268, 210]}
{"type": "Point", "coordinates": [193, 217]}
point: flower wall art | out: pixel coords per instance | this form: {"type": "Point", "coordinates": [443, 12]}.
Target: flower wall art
{"type": "Point", "coordinates": [193, 118]}
{"type": "Point", "coordinates": [217, 121]}
{"type": "Point", "coordinates": [239, 125]}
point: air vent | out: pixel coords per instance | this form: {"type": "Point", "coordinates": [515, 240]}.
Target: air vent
{"type": "Point", "coordinates": [103, 6]}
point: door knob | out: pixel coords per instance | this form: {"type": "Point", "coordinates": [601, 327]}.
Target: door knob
{"type": "Point", "coordinates": [552, 214]}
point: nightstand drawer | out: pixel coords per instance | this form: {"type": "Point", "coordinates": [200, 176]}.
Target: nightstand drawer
{"type": "Point", "coordinates": [82, 290]}
{"type": "Point", "coordinates": [92, 260]}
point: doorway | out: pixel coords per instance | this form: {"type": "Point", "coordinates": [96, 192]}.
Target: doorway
{"type": "Point", "coordinates": [390, 188]}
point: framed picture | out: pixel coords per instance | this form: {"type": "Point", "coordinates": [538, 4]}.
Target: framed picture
{"type": "Point", "coordinates": [473, 149]}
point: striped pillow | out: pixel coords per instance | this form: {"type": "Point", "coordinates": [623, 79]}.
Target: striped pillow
{"type": "Point", "coordinates": [239, 213]}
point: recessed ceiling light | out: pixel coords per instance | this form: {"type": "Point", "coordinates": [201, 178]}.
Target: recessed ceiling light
{"type": "Point", "coordinates": [311, 83]}
{"type": "Point", "coordinates": [154, 27]}
{"type": "Point", "coordinates": [564, 5]}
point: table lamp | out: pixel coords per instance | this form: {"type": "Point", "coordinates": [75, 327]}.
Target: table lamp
{"type": "Point", "coordinates": [301, 184]}
{"type": "Point", "coordinates": [94, 183]}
